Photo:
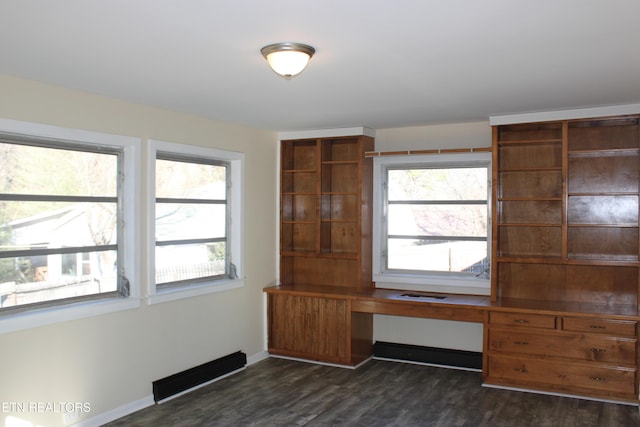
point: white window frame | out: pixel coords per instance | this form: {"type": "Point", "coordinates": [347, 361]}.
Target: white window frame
{"type": "Point", "coordinates": [25, 319]}
{"type": "Point", "coordinates": [427, 281]}
{"type": "Point", "coordinates": [157, 294]}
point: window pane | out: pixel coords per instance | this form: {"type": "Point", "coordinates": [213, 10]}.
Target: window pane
{"type": "Point", "coordinates": [437, 255]}
{"type": "Point", "coordinates": [439, 203]}
{"type": "Point", "coordinates": [190, 180]}
{"type": "Point", "coordinates": [189, 221]}
{"type": "Point", "coordinates": [51, 171]}
{"type": "Point", "coordinates": [438, 220]}
{"type": "Point", "coordinates": [56, 225]}
{"type": "Point", "coordinates": [36, 279]}
{"type": "Point", "coordinates": [185, 262]}
{"type": "Point", "coordinates": [200, 213]}
{"type": "Point", "coordinates": [438, 184]}
{"type": "Point", "coordinates": [29, 175]}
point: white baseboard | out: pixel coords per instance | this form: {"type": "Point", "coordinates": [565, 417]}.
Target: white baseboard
{"type": "Point", "coordinates": [434, 365]}
{"type": "Point", "coordinates": [551, 393]}
{"type": "Point", "coordinates": [119, 412]}
{"type": "Point", "coordinates": [316, 362]}
{"type": "Point", "coordinates": [258, 357]}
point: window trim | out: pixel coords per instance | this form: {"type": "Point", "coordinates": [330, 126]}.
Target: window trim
{"type": "Point", "coordinates": [161, 294]}
{"type": "Point", "coordinates": [428, 281]}
{"type": "Point", "coordinates": [130, 242]}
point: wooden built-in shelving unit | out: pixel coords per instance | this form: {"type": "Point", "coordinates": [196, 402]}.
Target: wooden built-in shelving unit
{"type": "Point", "coordinates": [565, 246]}
{"type": "Point", "coordinates": [325, 240]}
{"type": "Point", "coordinates": [563, 313]}
{"type": "Point", "coordinates": [325, 212]}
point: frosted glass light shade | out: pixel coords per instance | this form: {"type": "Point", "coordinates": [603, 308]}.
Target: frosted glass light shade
{"type": "Point", "coordinates": [288, 59]}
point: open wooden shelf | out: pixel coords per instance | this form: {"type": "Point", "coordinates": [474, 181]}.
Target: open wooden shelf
{"type": "Point", "coordinates": [566, 191]}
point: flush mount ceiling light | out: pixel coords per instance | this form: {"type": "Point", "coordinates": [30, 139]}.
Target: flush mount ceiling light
{"type": "Point", "coordinates": [288, 59]}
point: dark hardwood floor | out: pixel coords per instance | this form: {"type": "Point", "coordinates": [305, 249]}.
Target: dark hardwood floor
{"type": "Point", "coordinates": [279, 392]}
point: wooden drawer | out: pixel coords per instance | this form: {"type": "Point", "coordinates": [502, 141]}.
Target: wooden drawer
{"type": "Point", "coordinates": [523, 319]}
{"type": "Point", "coordinates": [566, 376]}
{"type": "Point", "coordinates": [585, 347]}
{"type": "Point", "coordinates": [595, 325]}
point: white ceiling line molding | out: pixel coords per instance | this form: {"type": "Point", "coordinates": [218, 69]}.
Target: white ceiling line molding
{"type": "Point", "coordinates": [580, 113]}
{"type": "Point", "coordinates": [327, 133]}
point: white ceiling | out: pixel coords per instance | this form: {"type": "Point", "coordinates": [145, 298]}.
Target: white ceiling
{"type": "Point", "coordinates": [379, 63]}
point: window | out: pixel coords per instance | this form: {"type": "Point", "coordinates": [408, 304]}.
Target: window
{"type": "Point", "coordinates": [197, 217]}
{"type": "Point", "coordinates": [432, 216]}
{"type": "Point", "coordinates": [63, 221]}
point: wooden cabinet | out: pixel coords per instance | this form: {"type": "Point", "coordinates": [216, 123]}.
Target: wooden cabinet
{"type": "Point", "coordinates": [319, 328]}
{"type": "Point", "coordinates": [325, 240]}
{"type": "Point", "coordinates": [565, 246]}
{"type": "Point", "coordinates": [592, 356]}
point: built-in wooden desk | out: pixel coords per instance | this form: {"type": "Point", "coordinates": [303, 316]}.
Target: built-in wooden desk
{"type": "Point", "coordinates": [335, 324]}
{"type": "Point", "coordinates": [568, 347]}
{"type": "Point", "coordinates": [467, 308]}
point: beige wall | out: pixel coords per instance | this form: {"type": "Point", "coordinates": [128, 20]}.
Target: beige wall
{"type": "Point", "coordinates": [110, 360]}
{"type": "Point", "coordinates": [459, 135]}
{"type": "Point", "coordinates": [430, 332]}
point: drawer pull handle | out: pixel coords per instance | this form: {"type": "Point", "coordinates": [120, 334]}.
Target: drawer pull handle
{"type": "Point", "coordinates": [521, 370]}
{"type": "Point", "coordinates": [597, 327]}
{"type": "Point", "coordinates": [521, 343]}
{"type": "Point", "coordinates": [599, 379]}
{"type": "Point", "coordinates": [598, 350]}
{"type": "Point", "coordinates": [521, 321]}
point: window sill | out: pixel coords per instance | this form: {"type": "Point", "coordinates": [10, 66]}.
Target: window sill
{"type": "Point", "coordinates": [451, 285]}
{"type": "Point", "coordinates": [189, 291]}
{"type": "Point", "coordinates": [47, 316]}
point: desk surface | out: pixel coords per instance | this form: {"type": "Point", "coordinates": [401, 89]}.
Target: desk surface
{"type": "Point", "coordinates": [470, 308]}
